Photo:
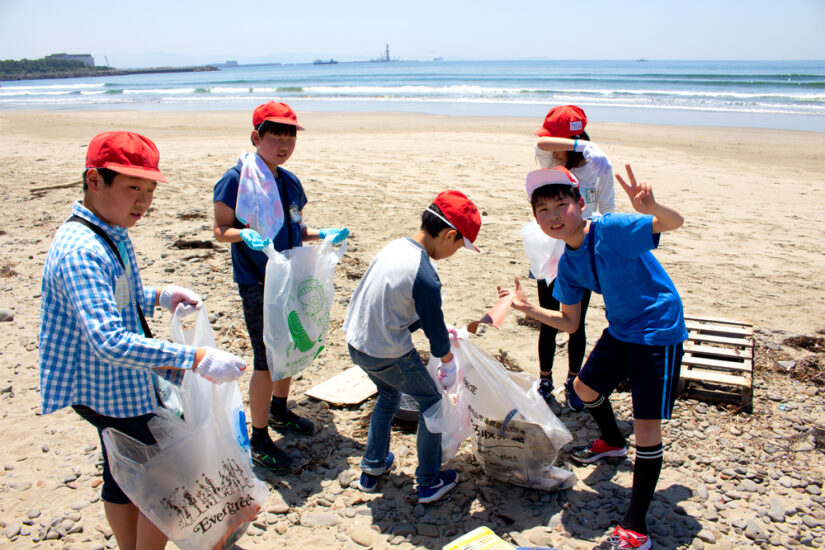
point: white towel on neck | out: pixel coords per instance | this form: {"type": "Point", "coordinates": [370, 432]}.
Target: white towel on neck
{"type": "Point", "coordinates": [259, 200]}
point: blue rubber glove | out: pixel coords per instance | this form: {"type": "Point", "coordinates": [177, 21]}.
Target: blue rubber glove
{"type": "Point", "coordinates": [254, 240]}
{"type": "Point", "coordinates": [338, 235]}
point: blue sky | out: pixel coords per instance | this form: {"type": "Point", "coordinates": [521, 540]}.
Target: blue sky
{"type": "Point", "coordinates": [182, 32]}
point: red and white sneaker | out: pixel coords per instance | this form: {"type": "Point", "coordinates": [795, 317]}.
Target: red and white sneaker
{"type": "Point", "coordinates": [596, 450]}
{"type": "Point", "coordinates": [625, 539]}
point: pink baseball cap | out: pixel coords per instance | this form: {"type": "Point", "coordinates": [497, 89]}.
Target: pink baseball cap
{"type": "Point", "coordinates": [564, 121]}
{"type": "Point", "coordinates": [549, 176]}
{"type": "Point", "coordinates": [461, 214]}
{"type": "Point", "coordinates": [126, 153]}
{"type": "Point", "coordinates": [276, 112]}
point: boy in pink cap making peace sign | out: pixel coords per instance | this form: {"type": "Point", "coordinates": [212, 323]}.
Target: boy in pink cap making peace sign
{"type": "Point", "coordinates": [612, 255]}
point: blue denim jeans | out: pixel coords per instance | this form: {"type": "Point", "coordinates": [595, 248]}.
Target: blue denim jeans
{"type": "Point", "coordinates": [409, 375]}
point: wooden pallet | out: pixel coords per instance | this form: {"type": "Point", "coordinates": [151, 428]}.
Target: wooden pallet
{"type": "Point", "coordinates": [718, 360]}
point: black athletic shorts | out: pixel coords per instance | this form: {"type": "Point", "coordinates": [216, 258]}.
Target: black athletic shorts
{"type": "Point", "coordinates": [653, 372]}
{"type": "Point", "coordinates": [134, 426]}
{"type": "Point", "coordinates": [252, 298]}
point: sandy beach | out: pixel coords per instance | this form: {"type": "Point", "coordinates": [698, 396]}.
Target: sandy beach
{"type": "Point", "coordinates": [751, 249]}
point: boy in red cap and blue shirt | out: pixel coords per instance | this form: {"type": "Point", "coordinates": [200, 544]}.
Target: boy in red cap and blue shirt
{"type": "Point", "coordinates": [97, 354]}
{"type": "Point", "coordinates": [400, 293]}
{"type": "Point", "coordinates": [258, 202]}
{"type": "Point", "coordinates": [612, 255]}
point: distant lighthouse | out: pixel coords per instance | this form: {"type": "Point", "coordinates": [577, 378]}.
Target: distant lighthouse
{"type": "Point", "coordinates": [384, 57]}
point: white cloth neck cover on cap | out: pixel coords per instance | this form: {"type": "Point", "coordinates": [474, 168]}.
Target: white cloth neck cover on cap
{"type": "Point", "coordinates": [442, 218]}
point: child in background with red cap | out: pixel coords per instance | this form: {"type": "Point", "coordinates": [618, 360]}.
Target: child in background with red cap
{"type": "Point", "coordinates": [97, 354]}
{"type": "Point", "coordinates": [564, 142]}
{"type": "Point", "coordinates": [258, 202]}
{"type": "Point", "coordinates": [400, 293]}
{"type": "Point", "coordinates": [612, 255]}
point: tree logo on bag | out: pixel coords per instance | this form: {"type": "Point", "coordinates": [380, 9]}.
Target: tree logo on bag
{"type": "Point", "coordinates": [311, 297]}
{"type": "Point", "coordinates": [189, 504]}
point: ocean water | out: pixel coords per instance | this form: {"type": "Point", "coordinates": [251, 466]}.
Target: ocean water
{"type": "Point", "coordinates": [771, 94]}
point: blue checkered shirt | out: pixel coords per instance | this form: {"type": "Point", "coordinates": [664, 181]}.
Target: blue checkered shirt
{"type": "Point", "coordinates": [92, 351]}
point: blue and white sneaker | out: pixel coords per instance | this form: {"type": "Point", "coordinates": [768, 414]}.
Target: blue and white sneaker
{"type": "Point", "coordinates": [446, 481]}
{"type": "Point", "coordinates": [573, 400]}
{"type": "Point", "coordinates": [369, 482]}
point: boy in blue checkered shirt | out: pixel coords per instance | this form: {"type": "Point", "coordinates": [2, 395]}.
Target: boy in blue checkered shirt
{"type": "Point", "coordinates": [96, 351]}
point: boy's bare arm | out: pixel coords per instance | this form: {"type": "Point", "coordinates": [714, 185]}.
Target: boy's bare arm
{"type": "Point", "coordinates": [555, 144]}
{"type": "Point", "coordinates": [641, 197]}
{"type": "Point", "coordinates": [223, 225]}
{"type": "Point", "coordinates": [567, 319]}
{"type": "Point", "coordinates": [307, 234]}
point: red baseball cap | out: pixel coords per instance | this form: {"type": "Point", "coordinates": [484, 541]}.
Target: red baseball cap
{"type": "Point", "coordinates": [549, 176]}
{"type": "Point", "coordinates": [126, 153]}
{"type": "Point", "coordinates": [462, 215]}
{"type": "Point", "coordinates": [564, 121]}
{"type": "Point", "coordinates": [276, 112]}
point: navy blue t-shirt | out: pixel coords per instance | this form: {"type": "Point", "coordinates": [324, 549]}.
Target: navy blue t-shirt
{"type": "Point", "coordinates": [249, 266]}
{"type": "Point", "coordinates": [641, 303]}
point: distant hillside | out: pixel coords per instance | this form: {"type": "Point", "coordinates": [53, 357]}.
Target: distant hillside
{"type": "Point", "coordinates": [31, 69]}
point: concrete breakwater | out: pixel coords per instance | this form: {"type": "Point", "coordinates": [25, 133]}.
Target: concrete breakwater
{"type": "Point", "coordinates": [105, 72]}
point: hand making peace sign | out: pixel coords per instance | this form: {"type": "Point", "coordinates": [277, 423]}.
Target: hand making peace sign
{"type": "Point", "coordinates": [640, 193]}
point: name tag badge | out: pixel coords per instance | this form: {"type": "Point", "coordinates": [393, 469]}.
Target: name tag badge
{"type": "Point", "coordinates": [295, 214]}
{"type": "Point", "coordinates": [122, 292]}
{"type": "Point", "coordinates": [590, 196]}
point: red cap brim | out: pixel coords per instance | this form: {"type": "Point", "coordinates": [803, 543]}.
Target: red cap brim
{"type": "Point", "coordinates": [283, 120]}
{"type": "Point", "coordinates": [137, 172]}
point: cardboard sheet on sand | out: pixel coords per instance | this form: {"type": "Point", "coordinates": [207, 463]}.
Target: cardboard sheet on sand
{"type": "Point", "coordinates": [345, 388]}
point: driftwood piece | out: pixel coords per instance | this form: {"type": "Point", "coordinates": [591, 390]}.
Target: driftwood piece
{"type": "Point", "coordinates": [55, 186]}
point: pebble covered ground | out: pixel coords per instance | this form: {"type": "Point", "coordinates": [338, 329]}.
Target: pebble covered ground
{"type": "Point", "coordinates": [732, 477]}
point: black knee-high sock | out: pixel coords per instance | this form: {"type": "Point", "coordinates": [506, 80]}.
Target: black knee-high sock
{"type": "Point", "coordinates": [645, 476]}
{"type": "Point", "coordinates": [602, 413]}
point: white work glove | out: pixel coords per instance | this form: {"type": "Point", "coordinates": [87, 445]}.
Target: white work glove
{"type": "Point", "coordinates": [453, 334]}
{"type": "Point", "coordinates": [446, 373]}
{"type": "Point", "coordinates": [593, 154]}
{"type": "Point", "coordinates": [220, 366]}
{"type": "Point", "coordinates": [173, 296]}
{"type": "Point", "coordinates": [544, 158]}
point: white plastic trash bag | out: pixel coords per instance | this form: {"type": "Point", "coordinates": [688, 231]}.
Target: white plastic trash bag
{"type": "Point", "coordinates": [516, 438]}
{"type": "Point", "coordinates": [297, 302]}
{"type": "Point", "coordinates": [196, 404]}
{"type": "Point", "coordinates": [196, 483]}
{"type": "Point", "coordinates": [451, 416]}
{"type": "Point", "coordinates": [543, 252]}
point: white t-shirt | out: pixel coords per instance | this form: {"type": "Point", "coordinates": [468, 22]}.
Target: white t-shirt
{"type": "Point", "coordinates": [597, 191]}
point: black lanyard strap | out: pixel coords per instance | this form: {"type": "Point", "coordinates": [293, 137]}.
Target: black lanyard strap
{"type": "Point", "coordinates": [102, 234]}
